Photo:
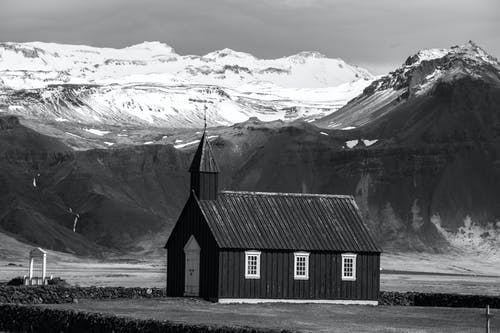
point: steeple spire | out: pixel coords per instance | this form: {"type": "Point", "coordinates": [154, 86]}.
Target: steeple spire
{"type": "Point", "coordinates": [205, 119]}
{"type": "Point", "coordinates": [204, 170]}
{"type": "Point", "coordinates": [203, 160]}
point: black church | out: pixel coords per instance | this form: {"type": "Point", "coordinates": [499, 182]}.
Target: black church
{"type": "Point", "coordinates": [254, 247]}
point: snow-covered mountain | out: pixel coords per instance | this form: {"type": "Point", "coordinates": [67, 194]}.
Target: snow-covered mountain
{"type": "Point", "coordinates": [149, 84]}
{"type": "Point", "coordinates": [161, 105]}
{"type": "Point", "coordinates": [36, 65]}
{"type": "Point", "coordinates": [417, 77]}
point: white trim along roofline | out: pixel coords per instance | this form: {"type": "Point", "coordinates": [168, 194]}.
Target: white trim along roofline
{"type": "Point", "coordinates": [297, 301]}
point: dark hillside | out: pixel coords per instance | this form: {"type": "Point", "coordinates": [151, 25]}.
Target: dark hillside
{"type": "Point", "coordinates": [136, 193]}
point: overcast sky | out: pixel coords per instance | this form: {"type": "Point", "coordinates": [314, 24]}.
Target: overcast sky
{"type": "Point", "coordinates": [375, 34]}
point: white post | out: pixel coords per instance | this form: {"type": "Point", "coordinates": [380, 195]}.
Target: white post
{"type": "Point", "coordinates": [488, 316]}
{"type": "Point", "coordinates": [31, 267]}
{"type": "Point", "coordinates": [44, 263]}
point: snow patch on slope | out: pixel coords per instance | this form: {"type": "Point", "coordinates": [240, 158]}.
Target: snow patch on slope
{"type": "Point", "coordinates": [430, 54]}
{"type": "Point", "coordinates": [351, 143]}
{"type": "Point", "coordinates": [190, 143]}
{"type": "Point", "coordinates": [368, 143]}
{"type": "Point", "coordinates": [96, 131]}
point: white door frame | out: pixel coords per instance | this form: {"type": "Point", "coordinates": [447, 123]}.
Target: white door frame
{"type": "Point", "coordinates": [192, 267]}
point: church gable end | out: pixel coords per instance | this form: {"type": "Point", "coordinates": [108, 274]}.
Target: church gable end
{"type": "Point", "coordinates": [191, 223]}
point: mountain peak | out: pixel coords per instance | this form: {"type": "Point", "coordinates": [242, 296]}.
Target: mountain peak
{"type": "Point", "coordinates": [154, 46]}
{"type": "Point", "coordinates": [227, 52]}
{"type": "Point", "coordinates": [310, 54]}
{"type": "Point", "coordinates": [422, 74]}
{"type": "Point", "coordinates": [423, 70]}
{"type": "Point", "coordinates": [473, 50]}
{"type": "Point", "coordinates": [469, 50]}
{"type": "Point", "coordinates": [306, 55]}
{"type": "Point", "coordinates": [425, 55]}
{"type": "Point", "coordinates": [469, 46]}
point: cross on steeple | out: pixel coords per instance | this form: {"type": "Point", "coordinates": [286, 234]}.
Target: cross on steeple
{"type": "Point", "coordinates": [205, 119]}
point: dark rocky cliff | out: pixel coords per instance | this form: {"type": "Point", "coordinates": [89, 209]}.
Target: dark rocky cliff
{"type": "Point", "coordinates": [124, 195]}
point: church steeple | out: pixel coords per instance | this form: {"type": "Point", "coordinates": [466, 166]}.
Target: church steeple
{"type": "Point", "coordinates": [204, 171]}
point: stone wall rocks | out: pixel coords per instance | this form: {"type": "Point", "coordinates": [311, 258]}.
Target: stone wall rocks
{"type": "Point", "coordinates": [438, 300]}
{"type": "Point", "coordinates": [58, 294]}
{"type": "Point", "coordinates": [61, 294]}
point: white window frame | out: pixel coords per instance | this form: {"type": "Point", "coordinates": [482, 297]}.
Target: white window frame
{"type": "Point", "coordinates": [353, 257]}
{"type": "Point", "coordinates": [301, 255]}
{"type": "Point", "coordinates": [249, 254]}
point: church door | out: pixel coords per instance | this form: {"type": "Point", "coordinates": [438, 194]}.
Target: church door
{"type": "Point", "coordinates": [192, 275]}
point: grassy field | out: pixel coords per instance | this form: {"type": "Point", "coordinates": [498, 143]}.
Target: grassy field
{"type": "Point", "coordinates": [138, 270]}
{"type": "Point", "coordinates": [153, 275]}
{"type": "Point", "coordinates": [302, 317]}
{"type": "Point", "coordinates": [102, 274]}
{"type": "Point", "coordinates": [420, 272]}
{"type": "Point", "coordinates": [440, 283]}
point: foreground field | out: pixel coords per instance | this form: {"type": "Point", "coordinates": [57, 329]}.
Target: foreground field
{"type": "Point", "coordinates": [420, 272]}
{"type": "Point", "coordinates": [305, 317]}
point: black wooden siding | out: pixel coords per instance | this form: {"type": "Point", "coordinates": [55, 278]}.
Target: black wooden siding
{"type": "Point", "coordinates": [276, 277]}
{"type": "Point", "coordinates": [191, 222]}
{"type": "Point", "coordinates": [205, 185]}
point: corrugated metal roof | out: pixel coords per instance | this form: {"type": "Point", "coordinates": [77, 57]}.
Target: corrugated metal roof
{"type": "Point", "coordinates": [203, 160]}
{"type": "Point", "coordinates": [288, 221]}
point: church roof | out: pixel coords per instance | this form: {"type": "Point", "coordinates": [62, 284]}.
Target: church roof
{"type": "Point", "coordinates": [287, 221]}
{"type": "Point", "coordinates": [203, 160]}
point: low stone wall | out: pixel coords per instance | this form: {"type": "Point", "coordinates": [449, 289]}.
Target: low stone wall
{"type": "Point", "coordinates": [439, 300]}
{"type": "Point", "coordinates": [58, 294]}
{"type": "Point", "coordinates": [22, 318]}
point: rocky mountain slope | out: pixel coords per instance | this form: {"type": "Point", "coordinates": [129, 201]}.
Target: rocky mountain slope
{"type": "Point", "coordinates": [149, 84]}
{"type": "Point", "coordinates": [464, 70]}
{"type": "Point", "coordinates": [444, 103]}
{"type": "Point", "coordinates": [84, 202]}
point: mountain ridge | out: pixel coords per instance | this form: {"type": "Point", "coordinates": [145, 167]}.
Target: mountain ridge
{"type": "Point", "coordinates": [417, 76]}
{"type": "Point", "coordinates": [86, 64]}
{"type": "Point", "coordinates": [151, 85]}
